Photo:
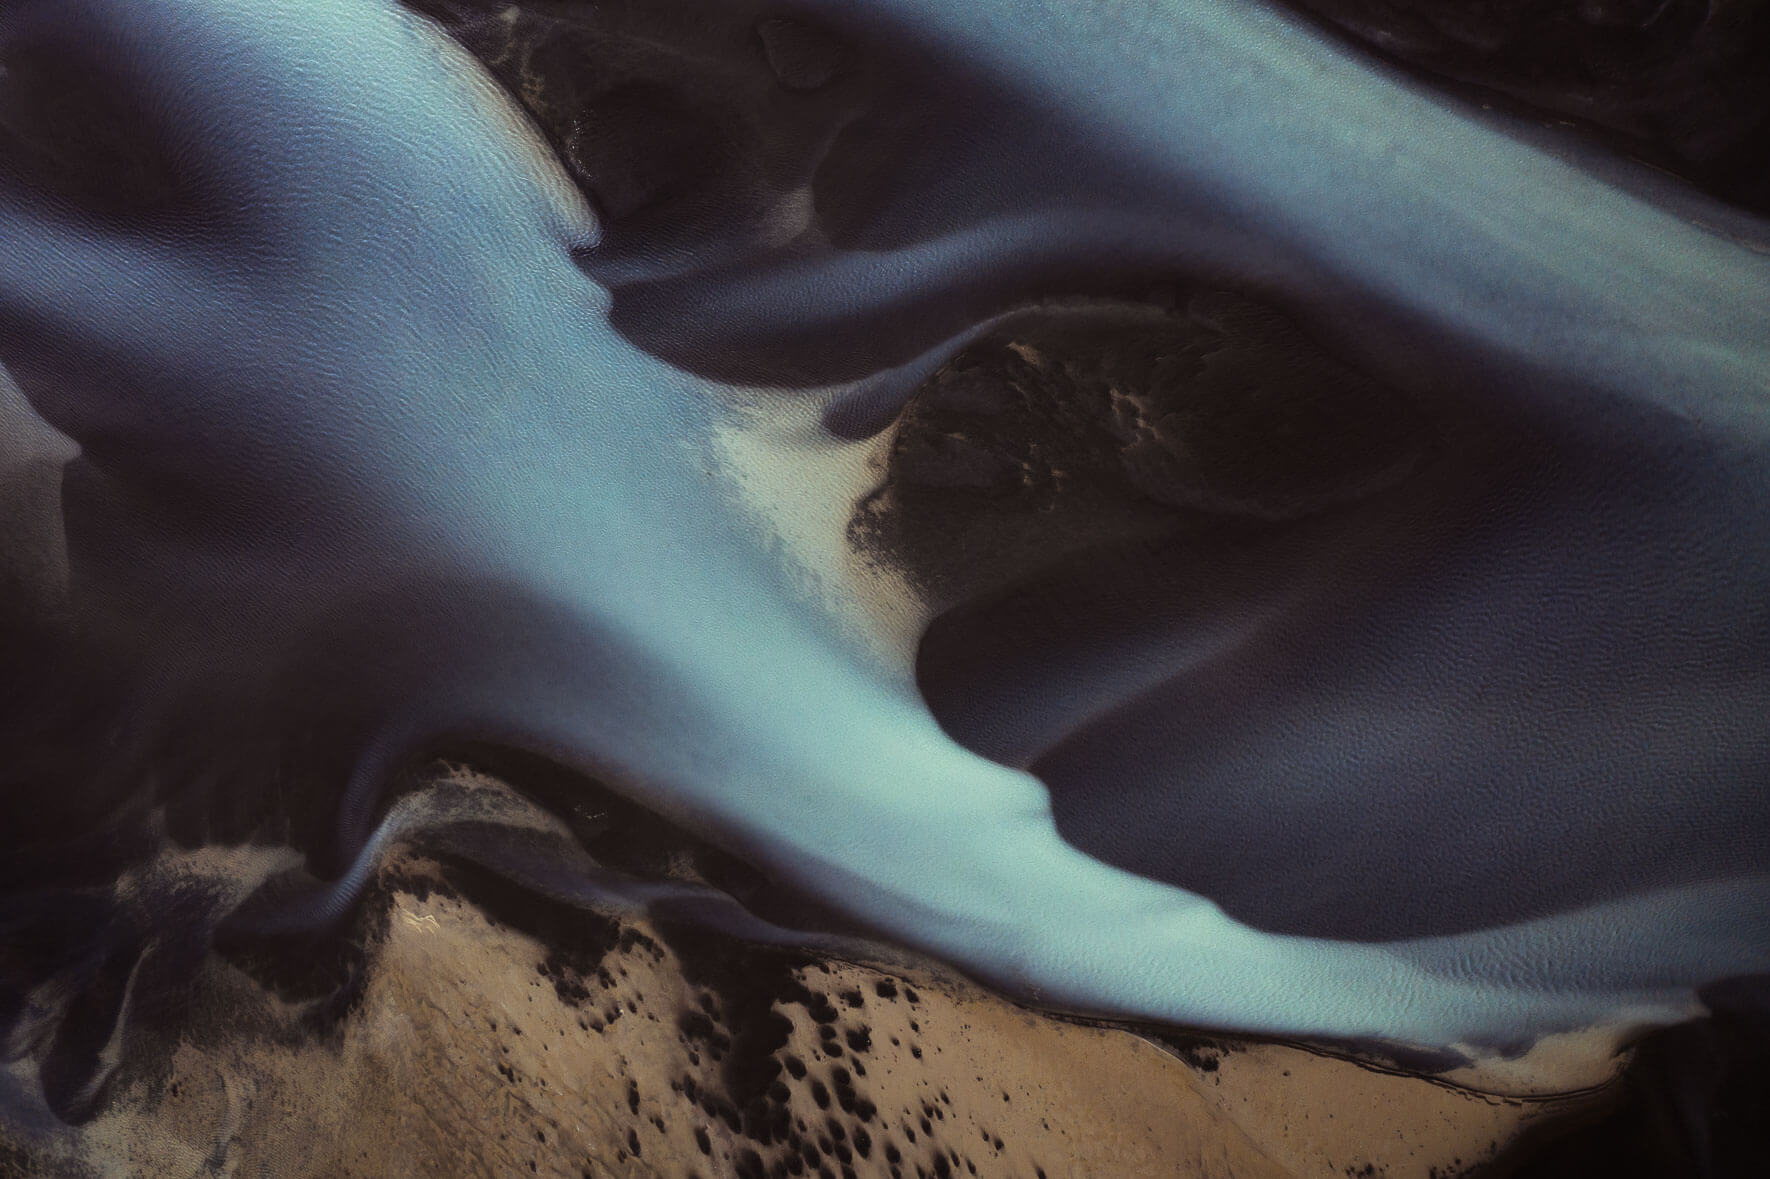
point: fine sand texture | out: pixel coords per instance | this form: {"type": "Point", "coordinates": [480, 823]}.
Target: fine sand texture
{"type": "Point", "coordinates": [475, 1031]}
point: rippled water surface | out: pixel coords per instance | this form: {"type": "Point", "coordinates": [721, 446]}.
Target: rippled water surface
{"type": "Point", "coordinates": [1151, 504]}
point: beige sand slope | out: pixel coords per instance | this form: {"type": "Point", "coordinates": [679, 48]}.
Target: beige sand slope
{"type": "Point", "coordinates": [628, 1049]}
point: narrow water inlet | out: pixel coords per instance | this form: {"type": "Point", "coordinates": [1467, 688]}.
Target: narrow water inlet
{"type": "Point", "coordinates": [395, 399]}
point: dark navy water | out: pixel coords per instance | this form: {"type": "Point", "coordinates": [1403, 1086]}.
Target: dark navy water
{"type": "Point", "coordinates": [340, 424]}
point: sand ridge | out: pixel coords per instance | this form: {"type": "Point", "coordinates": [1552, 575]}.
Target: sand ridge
{"type": "Point", "coordinates": [638, 1049]}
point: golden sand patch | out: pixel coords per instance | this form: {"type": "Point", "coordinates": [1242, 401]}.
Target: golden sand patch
{"type": "Point", "coordinates": [474, 1051]}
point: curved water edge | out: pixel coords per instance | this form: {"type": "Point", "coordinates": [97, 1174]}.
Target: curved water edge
{"type": "Point", "coordinates": [369, 459]}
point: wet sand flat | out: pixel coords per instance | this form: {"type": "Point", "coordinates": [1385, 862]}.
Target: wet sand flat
{"type": "Point", "coordinates": [471, 1048]}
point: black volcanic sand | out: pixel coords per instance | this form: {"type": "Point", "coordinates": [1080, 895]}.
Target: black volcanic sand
{"type": "Point", "coordinates": [1083, 423]}
{"type": "Point", "coordinates": [1691, 1102]}
{"type": "Point", "coordinates": [725, 148]}
{"type": "Point", "coordinates": [775, 1061]}
{"type": "Point", "coordinates": [771, 1060]}
{"type": "Point", "coordinates": [1682, 84]}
